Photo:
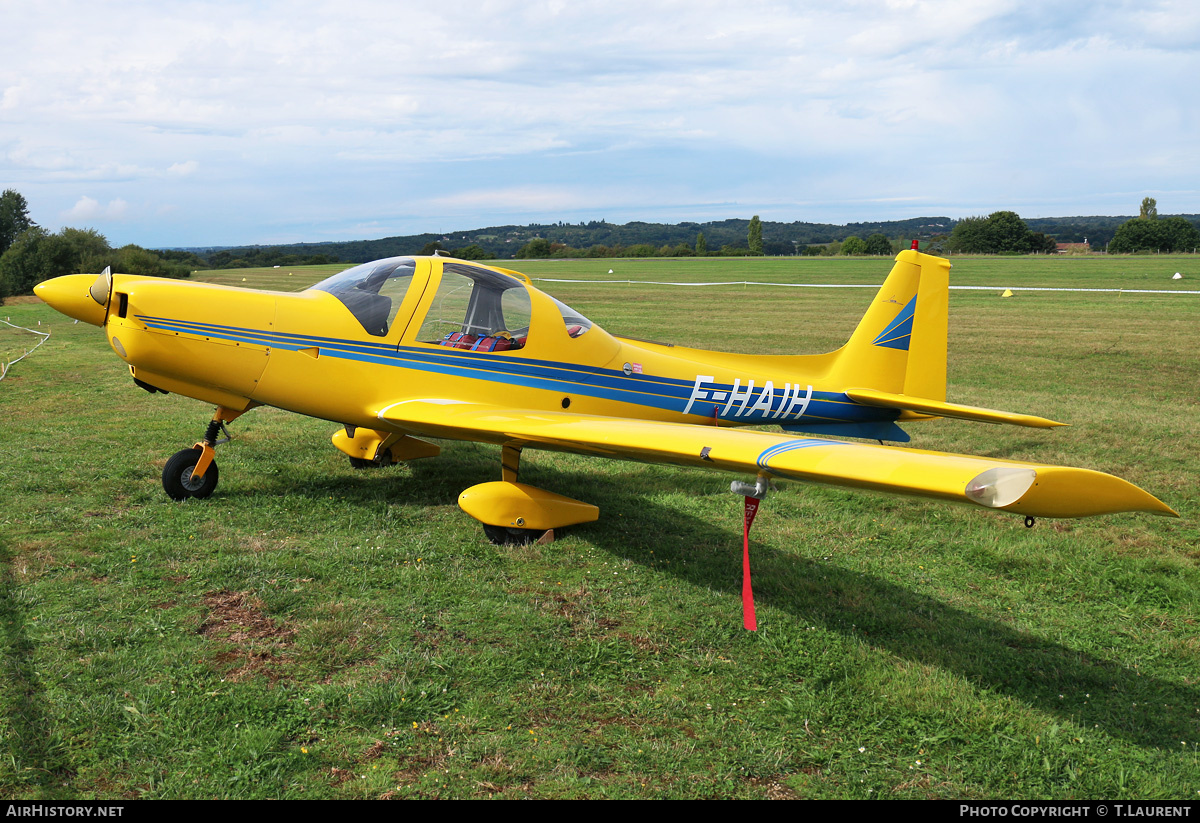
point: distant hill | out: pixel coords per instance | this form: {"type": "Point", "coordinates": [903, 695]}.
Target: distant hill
{"type": "Point", "coordinates": [503, 242]}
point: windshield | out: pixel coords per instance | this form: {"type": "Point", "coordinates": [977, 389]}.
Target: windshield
{"type": "Point", "coordinates": [373, 291]}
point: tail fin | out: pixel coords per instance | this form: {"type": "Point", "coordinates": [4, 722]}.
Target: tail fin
{"type": "Point", "coordinates": [896, 358]}
{"type": "Point", "coordinates": [899, 346]}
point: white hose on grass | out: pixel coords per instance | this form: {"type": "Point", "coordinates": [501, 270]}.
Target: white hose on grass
{"type": "Point", "coordinates": [44, 335]}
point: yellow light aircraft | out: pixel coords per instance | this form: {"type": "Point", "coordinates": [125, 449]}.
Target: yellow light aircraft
{"type": "Point", "coordinates": [413, 347]}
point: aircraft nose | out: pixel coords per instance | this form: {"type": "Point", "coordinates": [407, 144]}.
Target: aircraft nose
{"type": "Point", "coordinates": [77, 295]}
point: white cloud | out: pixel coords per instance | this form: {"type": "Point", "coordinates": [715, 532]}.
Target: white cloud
{"type": "Point", "coordinates": [87, 208]}
{"type": "Point", "coordinates": [519, 198]}
{"type": "Point", "coordinates": [12, 95]}
{"type": "Point", "coordinates": [329, 114]}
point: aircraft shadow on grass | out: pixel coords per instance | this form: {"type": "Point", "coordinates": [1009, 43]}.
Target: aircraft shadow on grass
{"type": "Point", "coordinates": [865, 607]}
{"type": "Point", "coordinates": [35, 752]}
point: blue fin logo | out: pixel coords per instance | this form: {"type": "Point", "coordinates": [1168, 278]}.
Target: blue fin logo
{"type": "Point", "coordinates": [899, 332]}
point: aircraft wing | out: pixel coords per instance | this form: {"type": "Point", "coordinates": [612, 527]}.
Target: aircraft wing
{"type": "Point", "coordinates": [1023, 488]}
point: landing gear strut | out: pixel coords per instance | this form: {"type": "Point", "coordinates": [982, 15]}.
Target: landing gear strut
{"type": "Point", "coordinates": [193, 472]}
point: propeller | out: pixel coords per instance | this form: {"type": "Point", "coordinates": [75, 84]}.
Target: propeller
{"type": "Point", "coordinates": [101, 288]}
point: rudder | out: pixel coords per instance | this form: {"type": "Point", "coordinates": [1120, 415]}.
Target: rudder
{"type": "Point", "coordinates": [900, 344]}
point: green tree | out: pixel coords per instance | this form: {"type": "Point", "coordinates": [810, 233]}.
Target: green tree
{"type": "Point", "coordinates": [969, 235]}
{"type": "Point", "coordinates": [1180, 235]}
{"type": "Point", "coordinates": [90, 247]}
{"type": "Point", "coordinates": [537, 247]}
{"type": "Point", "coordinates": [429, 248]}
{"type": "Point", "coordinates": [472, 252]}
{"type": "Point", "coordinates": [1007, 232]}
{"type": "Point", "coordinates": [754, 236]}
{"type": "Point", "coordinates": [194, 261]}
{"type": "Point", "coordinates": [1001, 232]}
{"type": "Point", "coordinates": [938, 244]}
{"type": "Point", "coordinates": [14, 218]}
{"type": "Point", "coordinates": [133, 259]}
{"type": "Point", "coordinates": [1040, 243]}
{"type": "Point", "coordinates": [1169, 234]}
{"type": "Point", "coordinates": [36, 255]}
{"type": "Point", "coordinates": [854, 245]}
{"type": "Point", "coordinates": [879, 244]}
{"type": "Point", "coordinates": [1149, 210]}
{"type": "Point", "coordinates": [701, 245]}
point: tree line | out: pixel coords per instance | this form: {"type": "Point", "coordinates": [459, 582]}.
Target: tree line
{"type": "Point", "coordinates": [1004, 232]}
{"type": "Point", "coordinates": [998, 233]}
{"type": "Point", "coordinates": [29, 254]}
{"type": "Point", "coordinates": [755, 246]}
{"type": "Point", "coordinates": [598, 238]}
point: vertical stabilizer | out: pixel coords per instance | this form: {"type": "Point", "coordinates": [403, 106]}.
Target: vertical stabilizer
{"type": "Point", "coordinates": [900, 344]}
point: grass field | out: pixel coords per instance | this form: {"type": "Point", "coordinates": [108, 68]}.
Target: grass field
{"type": "Point", "coordinates": [312, 631]}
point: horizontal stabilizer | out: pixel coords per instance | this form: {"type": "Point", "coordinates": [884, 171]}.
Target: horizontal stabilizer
{"type": "Point", "coordinates": [938, 408]}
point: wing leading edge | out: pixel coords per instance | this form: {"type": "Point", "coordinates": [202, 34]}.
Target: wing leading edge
{"type": "Point", "coordinates": [1033, 489]}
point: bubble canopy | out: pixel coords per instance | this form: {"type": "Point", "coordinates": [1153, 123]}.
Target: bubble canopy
{"type": "Point", "coordinates": [373, 292]}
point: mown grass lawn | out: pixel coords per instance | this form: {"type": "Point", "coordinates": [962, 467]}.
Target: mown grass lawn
{"type": "Point", "coordinates": [312, 631]}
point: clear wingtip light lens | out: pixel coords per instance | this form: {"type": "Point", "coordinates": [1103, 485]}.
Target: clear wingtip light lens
{"type": "Point", "coordinates": [1000, 487]}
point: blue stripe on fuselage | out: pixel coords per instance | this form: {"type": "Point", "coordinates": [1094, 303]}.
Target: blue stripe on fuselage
{"type": "Point", "coordinates": [666, 393]}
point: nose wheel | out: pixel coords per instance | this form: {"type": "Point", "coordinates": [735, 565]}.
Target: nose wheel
{"type": "Point", "coordinates": [180, 481]}
{"type": "Point", "coordinates": [193, 472]}
{"type": "Point", "coordinates": [506, 536]}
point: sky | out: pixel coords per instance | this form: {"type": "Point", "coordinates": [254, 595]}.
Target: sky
{"type": "Point", "coordinates": [224, 123]}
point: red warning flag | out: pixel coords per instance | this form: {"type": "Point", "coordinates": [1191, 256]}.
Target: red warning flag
{"type": "Point", "coordinates": [748, 618]}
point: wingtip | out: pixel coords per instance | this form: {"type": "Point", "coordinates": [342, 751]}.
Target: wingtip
{"type": "Point", "coordinates": [1062, 491]}
{"type": "Point", "coordinates": [1033, 421]}
{"type": "Point", "coordinates": [1164, 510]}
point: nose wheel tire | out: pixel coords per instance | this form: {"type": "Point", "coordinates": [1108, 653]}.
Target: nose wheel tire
{"type": "Point", "coordinates": [361, 463]}
{"type": "Point", "coordinates": [177, 478]}
{"type": "Point", "coordinates": [507, 536]}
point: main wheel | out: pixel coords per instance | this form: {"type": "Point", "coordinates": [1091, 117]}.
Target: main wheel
{"type": "Point", "coordinates": [505, 536]}
{"type": "Point", "coordinates": [363, 463]}
{"type": "Point", "coordinates": [177, 478]}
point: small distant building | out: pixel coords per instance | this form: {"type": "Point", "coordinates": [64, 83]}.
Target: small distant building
{"type": "Point", "coordinates": [1073, 248]}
